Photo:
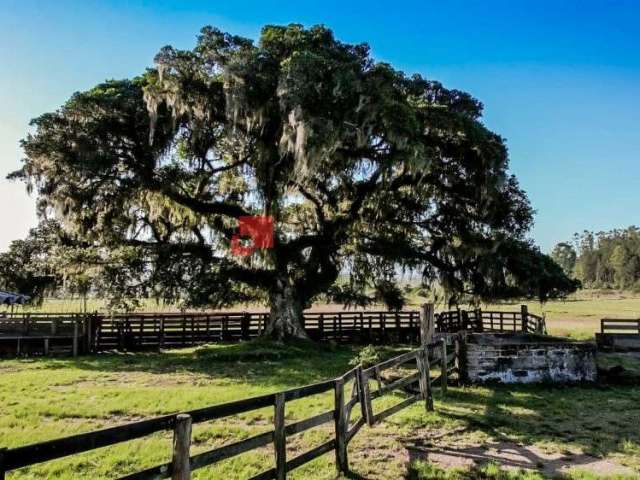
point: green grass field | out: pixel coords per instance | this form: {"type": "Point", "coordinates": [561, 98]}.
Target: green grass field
{"type": "Point", "coordinates": [579, 315]}
{"type": "Point", "coordinates": [44, 398]}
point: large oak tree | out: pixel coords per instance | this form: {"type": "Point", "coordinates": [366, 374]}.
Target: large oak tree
{"type": "Point", "coordinates": [364, 170]}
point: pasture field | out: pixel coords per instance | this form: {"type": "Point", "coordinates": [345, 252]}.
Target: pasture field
{"type": "Point", "coordinates": [46, 398]}
{"type": "Point", "coordinates": [579, 315]}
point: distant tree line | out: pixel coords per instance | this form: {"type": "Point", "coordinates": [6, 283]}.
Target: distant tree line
{"type": "Point", "coordinates": [48, 263]}
{"type": "Point", "coordinates": [603, 259]}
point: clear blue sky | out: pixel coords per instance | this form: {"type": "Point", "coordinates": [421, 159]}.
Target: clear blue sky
{"type": "Point", "coordinates": [560, 80]}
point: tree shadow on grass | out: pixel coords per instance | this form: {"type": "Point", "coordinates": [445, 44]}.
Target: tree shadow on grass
{"type": "Point", "coordinates": [595, 420]}
{"type": "Point", "coordinates": [255, 362]}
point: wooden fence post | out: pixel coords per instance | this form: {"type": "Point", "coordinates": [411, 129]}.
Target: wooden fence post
{"type": "Point", "coordinates": [525, 317]}
{"type": "Point", "coordinates": [260, 320]}
{"type": "Point", "coordinates": [426, 324]}
{"type": "Point", "coordinates": [424, 381]}
{"type": "Point", "coordinates": [2, 454]}
{"type": "Point", "coordinates": [365, 396]}
{"type": "Point", "coordinates": [98, 333]}
{"type": "Point", "coordinates": [465, 320]}
{"type": "Point", "coordinates": [180, 467]}
{"type": "Point", "coordinates": [444, 376]}
{"type": "Point", "coordinates": [479, 322]}
{"type": "Point", "coordinates": [244, 326]}
{"type": "Point", "coordinates": [341, 428]}
{"type": "Point", "coordinates": [87, 333]}
{"type": "Point", "coordinates": [429, 387]}
{"type": "Point", "coordinates": [75, 338]}
{"type": "Point", "coordinates": [225, 328]}
{"type": "Point", "coordinates": [279, 438]}
{"type": "Point", "coordinates": [456, 360]}
{"type": "Point", "coordinates": [400, 333]}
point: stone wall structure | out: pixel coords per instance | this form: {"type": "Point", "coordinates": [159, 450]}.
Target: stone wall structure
{"type": "Point", "coordinates": [527, 358]}
{"type": "Point", "coordinates": [617, 341]}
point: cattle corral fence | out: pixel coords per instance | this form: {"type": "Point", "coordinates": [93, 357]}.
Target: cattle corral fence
{"type": "Point", "coordinates": [367, 384]}
{"type": "Point", "coordinates": [77, 333]}
{"type": "Point", "coordinates": [619, 334]}
{"type": "Point", "coordinates": [620, 326]}
{"type": "Point", "coordinates": [45, 333]}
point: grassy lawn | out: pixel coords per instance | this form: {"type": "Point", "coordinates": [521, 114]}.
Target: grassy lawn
{"type": "Point", "coordinates": [41, 399]}
{"type": "Point", "coordinates": [579, 315]}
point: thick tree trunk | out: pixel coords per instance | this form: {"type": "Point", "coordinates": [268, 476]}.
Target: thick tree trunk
{"type": "Point", "coordinates": [286, 321]}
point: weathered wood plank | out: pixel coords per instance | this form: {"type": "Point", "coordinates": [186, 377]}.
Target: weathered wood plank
{"type": "Point", "coordinates": [308, 423]}
{"type": "Point", "coordinates": [355, 428]}
{"type": "Point", "coordinates": [400, 383]}
{"type": "Point", "coordinates": [340, 428]}
{"type": "Point", "coordinates": [231, 450]}
{"type": "Point", "coordinates": [52, 449]}
{"type": "Point", "coordinates": [2, 463]}
{"type": "Point", "coordinates": [180, 462]}
{"type": "Point", "coordinates": [154, 473]}
{"type": "Point", "coordinates": [279, 436]}
{"type": "Point", "coordinates": [308, 390]}
{"type": "Point", "coordinates": [443, 367]}
{"type": "Point", "coordinates": [427, 369]}
{"type": "Point", "coordinates": [266, 475]}
{"type": "Point", "coordinates": [310, 455]}
{"type": "Point", "coordinates": [392, 362]}
{"type": "Point", "coordinates": [350, 375]}
{"type": "Point", "coordinates": [365, 397]}
{"type": "Point", "coordinates": [396, 408]}
{"type": "Point", "coordinates": [423, 376]}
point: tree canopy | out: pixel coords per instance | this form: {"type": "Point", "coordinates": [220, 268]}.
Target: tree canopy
{"type": "Point", "coordinates": [26, 267]}
{"type": "Point", "coordinates": [364, 170]}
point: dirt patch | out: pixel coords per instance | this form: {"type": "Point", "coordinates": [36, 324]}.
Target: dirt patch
{"type": "Point", "coordinates": [514, 456]}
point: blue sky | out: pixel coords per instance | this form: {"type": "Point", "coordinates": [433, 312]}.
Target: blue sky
{"type": "Point", "coordinates": [560, 80]}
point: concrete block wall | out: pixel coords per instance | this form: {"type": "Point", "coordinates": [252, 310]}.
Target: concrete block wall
{"type": "Point", "coordinates": [522, 362]}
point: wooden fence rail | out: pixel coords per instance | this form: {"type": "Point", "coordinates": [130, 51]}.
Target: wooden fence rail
{"type": "Point", "coordinates": [620, 326]}
{"type": "Point", "coordinates": [94, 333]}
{"type": "Point", "coordinates": [137, 331]}
{"type": "Point", "coordinates": [479, 320]}
{"type": "Point", "coordinates": [46, 332]}
{"type": "Point", "coordinates": [183, 463]}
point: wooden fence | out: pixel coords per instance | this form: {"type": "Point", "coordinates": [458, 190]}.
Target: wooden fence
{"type": "Point", "coordinates": [29, 333]}
{"type": "Point", "coordinates": [620, 326]}
{"type": "Point", "coordinates": [490, 321]}
{"type": "Point", "coordinates": [47, 333]}
{"type": "Point", "coordinates": [134, 331]}
{"type": "Point", "coordinates": [619, 334]}
{"type": "Point", "coordinates": [345, 428]}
